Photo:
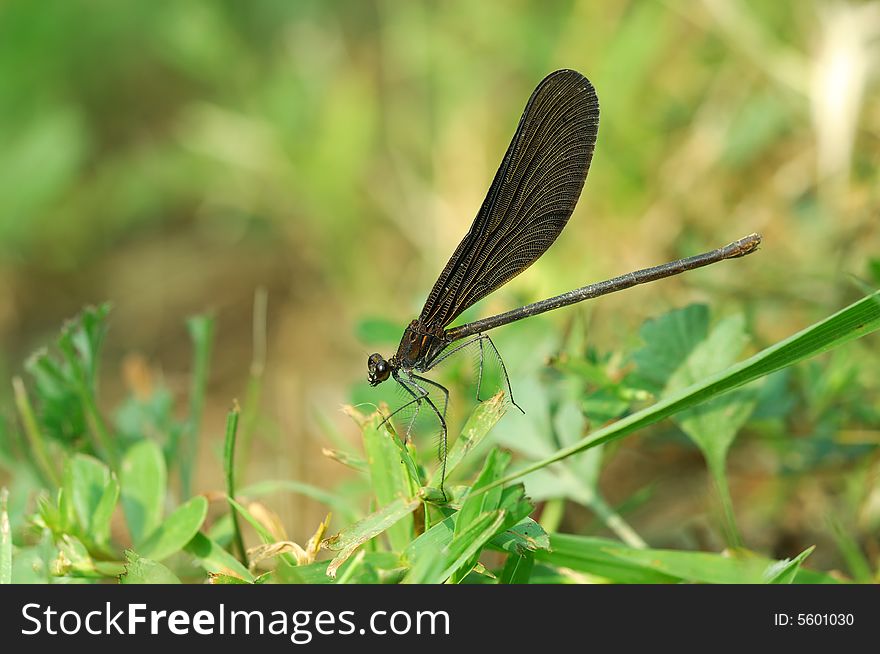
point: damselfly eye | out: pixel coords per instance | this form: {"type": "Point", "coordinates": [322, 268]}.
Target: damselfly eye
{"type": "Point", "coordinates": [377, 369]}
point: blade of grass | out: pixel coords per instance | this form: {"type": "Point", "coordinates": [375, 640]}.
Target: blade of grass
{"type": "Point", "coordinates": [784, 572]}
{"type": "Point", "coordinates": [345, 458]}
{"type": "Point", "coordinates": [473, 507]}
{"type": "Point", "coordinates": [214, 558]}
{"type": "Point", "coordinates": [480, 422]}
{"type": "Point", "coordinates": [267, 486]}
{"type": "Point", "coordinates": [391, 474]}
{"type": "Point", "coordinates": [517, 569]}
{"type": "Point", "coordinates": [5, 539]}
{"type": "Point", "coordinates": [266, 535]}
{"type": "Point", "coordinates": [459, 553]}
{"type": "Point", "coordinates": [856, 320]}
{"type": "Point", "coordinates": [858, 564]}
{"type": "Point", "coordinates": [201, 331]}
{"type": "Point", "coordinates": [80, 344]}
{"type": "Point", "coordinates": [348, 540]}
{"type": "Point", "coordinates": [229, 468]}
{"type": "Point", "coordinates": [34, 435]}
{"type": "Point", "coordinates": [250, 409]}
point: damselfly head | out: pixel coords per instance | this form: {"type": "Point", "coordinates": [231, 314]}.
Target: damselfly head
{"type": "Point", "coordinates": [378, 369]}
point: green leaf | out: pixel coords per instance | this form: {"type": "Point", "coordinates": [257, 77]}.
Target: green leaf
{"type": "Point", "coordinates": [785, 571]}
{"type": "Point", "coordinates": [391, 474]}
{"type": "Point", "coordinates": [669, 340]}
{"type": "Point", "coordinates": [377, 567]}
{"type": "Point", "coordinates": [524, 537]}
{"type": "Point", "coordinates": [713, 425]}
{"type": "Point", "coordinates": [229, 470]}
{"type": "Point", "coordinates": [479, 504]}
{"type": "Point", "coordinates": [39, 450]}
{"type": "Point", "coordinates": [91, 492]}
{"type": "Point", "coordinates": [431, 541]}
{"type": "Point", "coordinates": [704, 567]}
{"type": "Point", "coordinates": [440, 536]}
{"type": "Point", "coordinates": [346, 458]}
{"type": "Point", "coordinates": [349, 539]}
{"type": "Point", "coordinates": [265, 535]}
{"type": "Point", "coordinates": [459, 553]}
{"type": "Point", "coordinates": [215, 559]}
{"type": "Point", "coordinates": [339, 506]}
{"type": "Point", "coordinates": [227, 580]}
{"type": "Point", "coordinates": [176, 530]}
{"type": "Point", "coordinates": [478, 425]}
{"type": "Point", "coordinates": [856, 320]}
{"type": "Point", "coordinates": [476, 504]}
{"type": "Point", "coordinates": [5, 539]}
{"type": "Point", "coordinates": [858, 564]}
{"type": "Point", "coordinates": [610, 560]}
{"type": "Point", "coordinates": [104, 514]}
{"type": "Point", "coordinates": [185, 449]}
{"type": "Point", "coordinates": [143, 478]}
{"type": "Point", "coordinates": [139, 570]}
{"type": "Point", "coordinates": [517, 569]}
{"type": "Point", "coordinates": [596, 557]}
{"type": "Point", "coordinates": [80, 344]}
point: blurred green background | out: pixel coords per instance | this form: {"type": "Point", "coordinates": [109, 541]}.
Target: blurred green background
{"type": "Point", "coordinates": [173, 157]}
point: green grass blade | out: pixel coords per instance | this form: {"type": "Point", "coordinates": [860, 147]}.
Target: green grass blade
{"type": "Point", "coordinates": [784, 572]}
{"type": "Point", "coordinates": [610, 560]}
{"type": "Point", "coordinates": [340, 506]}
{"type": "Point", "coordinates": [517, 569]}
{"type": "Point", "coordinates": [349, 539]}
{"type": "Point", "coordinates": [34, 434]}
{"type": "Point", "coordinates": [856, 561]}
{"type": "Point", "coordinates": [346, 458]}
{"type": "Point", "coordinates": [475, 504]}
{"type": "Point", "coordinates": [265, 535]}
{"type": "Point", "coordinates": [5, 539]}
{"type": "Point", "coordinates": [215, 559]}
{"type": "Point", "coordinates": [459, 553]}
{"type": "Point", "coordinates": [432, 541]}
{"type": "Point", "coordinates": [596, 557]}
{"type": "Point", "coordinates": [229, 469]}
{"type": "Point", "coordinates": [201, 331]}
{"type": "Point", "coordinates": [855, 321]}
{"type": "Point", "coordinates": [392, 473]}
{"type": "Point", "coordinates": [478, 425]}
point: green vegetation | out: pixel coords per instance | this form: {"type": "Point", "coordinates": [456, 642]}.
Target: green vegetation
{"type": "Point", "coordinates": [172, 158]}
{"type": "Point", "coordinates": [409, 537]}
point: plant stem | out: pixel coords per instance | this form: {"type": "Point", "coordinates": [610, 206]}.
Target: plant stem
{"type": "Point", "coordinates": [731, 531]}
{"type": "Point", "coordinates": [229, 466]}
{"type": "Point", "coordinates": [201, 331]}
{"type": "Point", "coordinates": [34, 435]}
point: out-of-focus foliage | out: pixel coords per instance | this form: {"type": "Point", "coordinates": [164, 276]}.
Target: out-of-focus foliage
{"type": "Point", "coordinates": [173, 157]}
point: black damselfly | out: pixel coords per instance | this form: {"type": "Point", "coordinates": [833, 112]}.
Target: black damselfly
{"type": "Point", "coordinates": [529, 202]}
